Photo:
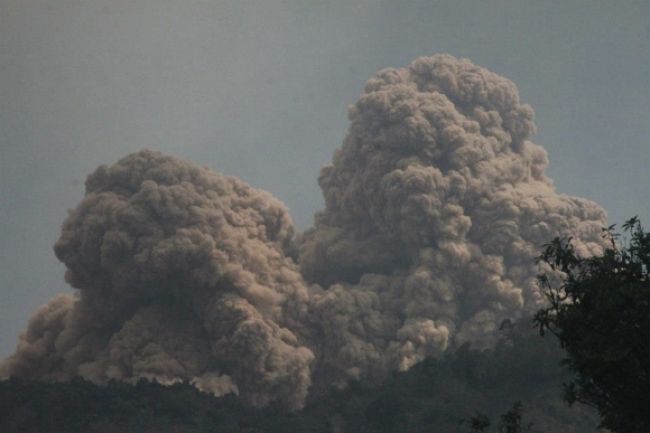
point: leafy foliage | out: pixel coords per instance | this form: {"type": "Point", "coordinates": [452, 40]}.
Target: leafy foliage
{"type": "Point", "coordinates": [600, 313]}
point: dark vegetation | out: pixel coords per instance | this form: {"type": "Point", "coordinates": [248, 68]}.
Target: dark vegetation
{"type": "Point", "coordinates": [600, 313]}
{"type": "Point", "coordinates": [510, 422]}
{"type": "Point", "coordinates": [434, 396]}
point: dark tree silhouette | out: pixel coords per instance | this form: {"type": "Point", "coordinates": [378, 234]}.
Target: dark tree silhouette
{"type": "Point", "coordinates": [600, 313]}
{"type": "Point", "coordinates": [512, 421]}
{"type": "Point", "coordinates": [479, 423]}
{"type": "Point", "coordinates": [509, 422]}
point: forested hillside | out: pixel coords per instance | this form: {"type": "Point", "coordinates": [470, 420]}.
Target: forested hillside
{"type": "Point", "coordinates": [434, 396]}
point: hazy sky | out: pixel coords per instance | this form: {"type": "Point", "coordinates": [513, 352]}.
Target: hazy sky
{"type": "Point", "coordinates": [259, 89]}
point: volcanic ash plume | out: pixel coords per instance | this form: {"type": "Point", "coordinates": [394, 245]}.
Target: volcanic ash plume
{"type": "Point", "coordinates": [181, 275]}
{"type": "Point", "coordinates": [436, 206]}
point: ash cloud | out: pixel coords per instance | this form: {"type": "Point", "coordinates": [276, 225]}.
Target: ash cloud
{"type": "Point", "coordinates": [181, 275]}
{"type": "Point", "coordinates": [435, 207]}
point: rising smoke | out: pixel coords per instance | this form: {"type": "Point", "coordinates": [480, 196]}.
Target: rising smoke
{"type": "Point", "coordinates": [181, 275]}
{"type": "Point", "coordinates": [435, 207]}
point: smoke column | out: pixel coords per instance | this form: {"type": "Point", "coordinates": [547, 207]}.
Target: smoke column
{"type": "Point", "coordinates": [181, 275]}
{"type": "Point", "coordinates": [435, 207]}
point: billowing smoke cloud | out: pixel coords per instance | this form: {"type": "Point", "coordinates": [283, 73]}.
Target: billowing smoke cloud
{"type": "Point", "coordinates": [181, 276]}
{"type": "Point", "coordinates": [436, 206]}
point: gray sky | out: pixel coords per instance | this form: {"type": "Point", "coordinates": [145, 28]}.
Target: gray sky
{"type": "Point", "coordinates": [259, 89]}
